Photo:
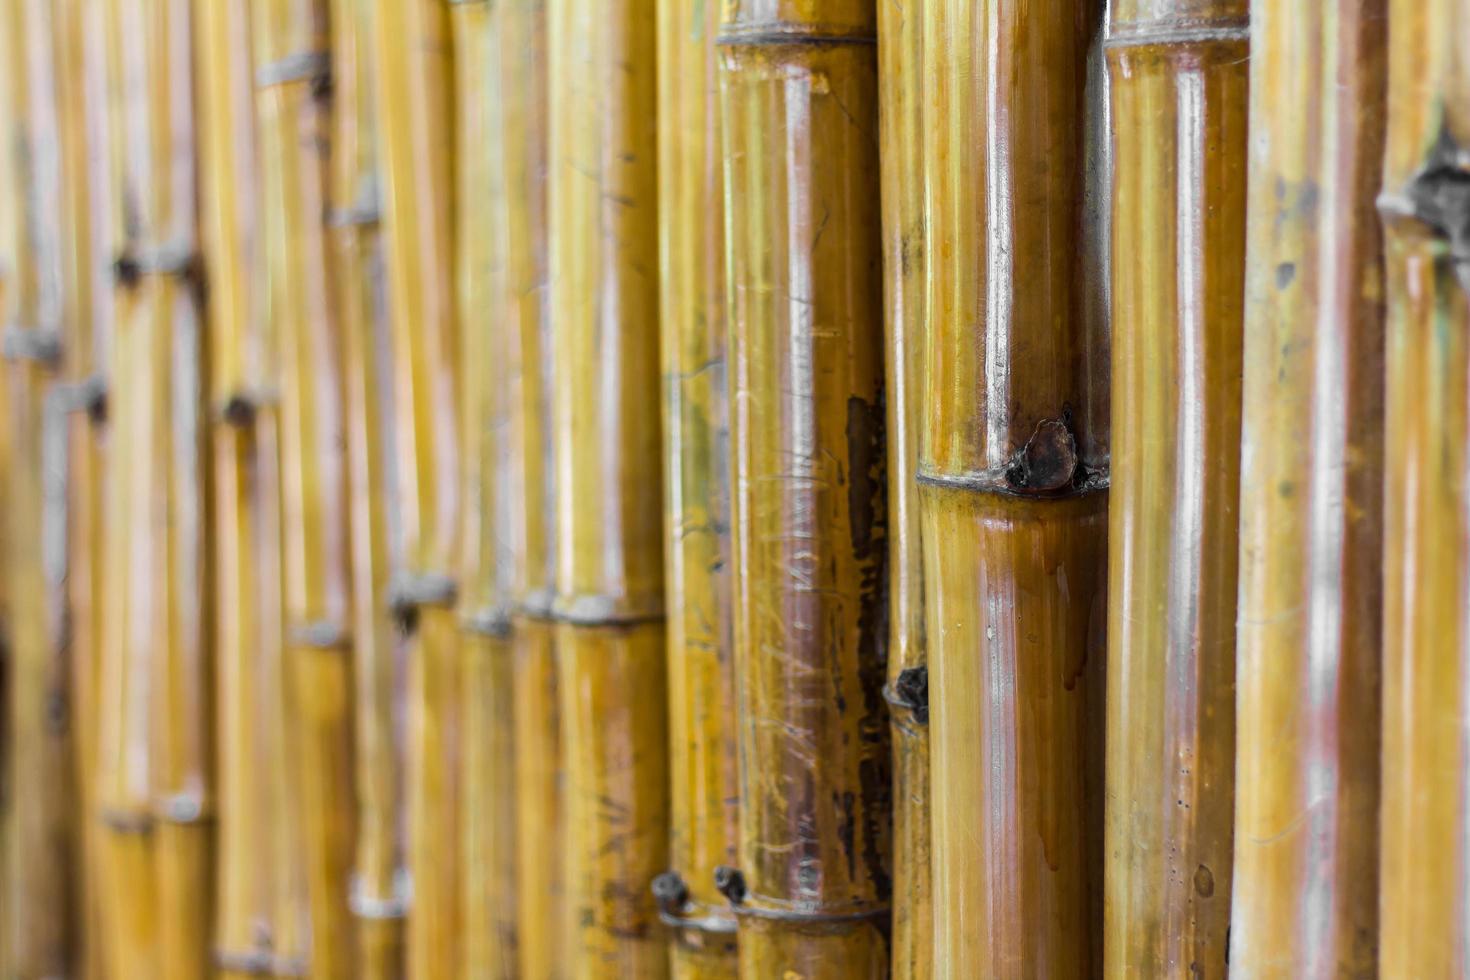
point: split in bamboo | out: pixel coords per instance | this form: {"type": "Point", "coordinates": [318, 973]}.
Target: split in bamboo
{"type": "Point", "coordinates": [1179, 104]}
{"type": "Point", "coordinates": [799, 106]}
{"type": "Point", "coordinates": [1425, 894]}
{"type": "Point", "coordinates": [702, 754]}
{"type": "Point", "coordinates": [1304, 891]}
{"type": "Point", "coordinates": [1012, 479]}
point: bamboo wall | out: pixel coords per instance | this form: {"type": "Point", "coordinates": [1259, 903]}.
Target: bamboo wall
{"type": "Point", "coordinates": [734, 488]}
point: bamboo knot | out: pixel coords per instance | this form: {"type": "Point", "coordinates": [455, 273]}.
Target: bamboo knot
{"type": "Point", "coordinates": [1438, 197]}
{"type": "Point", "coordinates": [1047, 462]}
{"type": "Point", "coordinates": [40, 345]}
{"type": "Point", "coordinates": [911, 690]}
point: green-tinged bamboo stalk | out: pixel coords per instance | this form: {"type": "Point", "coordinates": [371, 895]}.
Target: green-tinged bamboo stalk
{"type": "Point", "coordinates": [378, 888]}
{"type": "Point", "coordinates": [1179, 99]}
{"type": "Point", "coordinates": [702, 755]}
{"type": "Point", "coordinates": [414, 98]}
{"type": "Point", "coordinates": [605, 434]}
{"type": "Point", "coordinates": [905, 265]}
{"type": "Point", "coordinates": [291, 71]}
{"type": "Point", "coordinates": [1305, 889]}
{"type": "Point", "coordinates": [487, 380]}
{"type": "Point", "coordinates": [524, 343]}
{"type": "Point", "coordinates": [1012, 472]}
{"type": "Point", "coordinates": [800, 116]}
{"type": "Point", "coordinates": [36, 820]}
{"type": "Point", "coordinates": [1425, 894]}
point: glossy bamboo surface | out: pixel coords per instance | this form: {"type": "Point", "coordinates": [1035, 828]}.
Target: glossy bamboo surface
{"type": "Point", "coordinates": [1011, 468]}
{"type": "Point", "coordinates": [704, 817]}
{"type": "Point", "coordinates": [1425, 892]}
{"type": "Point", "coordinates": [541, 813]}
{"type": "Point", "coordinates": [808, 504]}
{"type": "Point", "coordinates": [1179, 101]}
{"type": "Point", "coordinates": [1307, 663]}
{"type": "Point", "coordinates": [905, 265]}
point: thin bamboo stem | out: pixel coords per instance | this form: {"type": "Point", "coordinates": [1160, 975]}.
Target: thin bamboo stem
{"type": "Point", "coordinates": [799, 106]}
{"type": "Point", "coordinates": [1305, 890]}
{"type": "Point", "coordinates": [1425, 893]}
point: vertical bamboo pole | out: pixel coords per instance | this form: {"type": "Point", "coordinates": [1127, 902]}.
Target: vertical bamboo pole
{"type": "Point", "coordinates": [414, 97]}
{"type": "Point", "coordinates": [1425, 894]}
{"type": "Point", "coordinates": [799, 109]}
{"type": "Point", "coordinates": [1305, 893]}
{"type": "Point", "coordinates": [37, 898]}
{"type": "Point", "coordinates": [291, 72]}
{"type": "Point", "coordinates": [487, 380]}
{"type": "Point", "coordinates": [1012, 473]}
{"type": "Point", "coordinates": [605, 434]}
{"type": "Point", "coordinates": [1179, 97]}
{"type": "Point", "coordinates": [905, 265]}
{"type": "Point", "coordinates": [702, 753]}
{"type": "Point", "coordinates": [378, 889]}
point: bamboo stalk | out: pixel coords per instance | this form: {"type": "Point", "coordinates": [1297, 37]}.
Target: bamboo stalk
{"type": "Point", "coordinates": [414, 63]}
{"type": "Point", "coordinates": [609, 577]}
{"type": "Point", "coordinates": [702, 753]}
{"type": "Point", "coordinates": [1425, 880]}
{"type": "Point", "coordinates": [1307, 662]}
{"type": "Point", "coordinates": [799, 109]}
{"type": "Point", "coordinates": [1179, 97]}
{"type": "Point", "coordinates": [378, 899]}
{"type": "Point", "coordinates": [905, 265]}
{"type": "Point", "coordinates": [1012, 470]}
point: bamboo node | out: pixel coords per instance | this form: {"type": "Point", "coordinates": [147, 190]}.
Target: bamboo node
{"type": "Point", "coordinates": [911, 690]}
{"type": "Point", "coordinates": [1438, 197]}
{"type": "Point", "coordinates": [127, 821]}
{"type": "Point", "coordinates": [380, 907]}
{"type": "Point", "coordinates": [301, 66]}
{"type": "Point", "coordinates": [590, 609]}
{"type": "Point", "coordinates": [40, 345]}
{"type": "Point", "coordinates": [319, 635]}
{"type": "Point", "coordinates": [730, 882]}
{"type": "Point", "coordinates": [491, 621]}
{"type": "Point", "coordinates": [180, 808]}
{"type": "Point", "coordinates": [411, 591]}
{"type": "Point", "coordinates": [677, 910]}
{"type": "Point", "coordinates": [1047, 461]}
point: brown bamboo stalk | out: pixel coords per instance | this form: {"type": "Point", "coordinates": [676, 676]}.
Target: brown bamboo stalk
{"type": "Point", "coordinates": [291, 72]}
{"type": "Point", "coordinates": [414, 63]}
{"type": "Point", "coordinates": [1425, 893]}
{"type": "Point", "coordinates": [1305, 889]}
{"type": "Point", "coordinates": [702, 752]}
{"type": "Point", "coordinates": [605, 434]}
{"type": "Point", "coordinates": [1012, 469]}
{"type": "Point", "coordinates": [378, 886]}
{"type": "Point", "coordinates": [1179, 97]}
{"type": "Point", "coordinates": [905, 265]}
{"type": "Point", "coordinates": [800, 115]}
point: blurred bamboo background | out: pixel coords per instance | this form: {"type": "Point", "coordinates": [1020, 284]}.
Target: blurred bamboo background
{"type": "Point", "coordinates": [485, 486]}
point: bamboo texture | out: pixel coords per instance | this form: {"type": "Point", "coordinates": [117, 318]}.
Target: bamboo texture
{"type": "Point", "coordinates": [1425, 882]}
{"type": "Point", "coordinates": [1179, 100]}
{"type": "Point", "coordinates": [905, 265]}
{"type": "Point", "coordinates": [799, 103]}
{"type": "Point", "coordinates": [1304, 899]}
{"type": "Point", "coordinates": [704, 813]}
{"type": "Point", "coordinates": [1012, 472]}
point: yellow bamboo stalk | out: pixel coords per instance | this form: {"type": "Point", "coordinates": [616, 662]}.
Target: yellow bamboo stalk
{"type": "Point", "coordinates": [378, 878]}
{"type": "Point", "coordinates": [1425, 892]}
{"type": "Point", "coordinates": [1305, 889]}
{"type": "Point", "coordinates": [1012, 468]}
{"type": "Point", "coordinates": [799, 111]}
{"type": "Point", "coordinates": [905, 264]}
{"type": "Point", "coordinates": [702, 752]}
{"type": "Point", "coordinates": [1179, 97]}
{"type": "Point", "coordinates": [415, 66]}
{"type": "Point", "coordinates": [605, 434]}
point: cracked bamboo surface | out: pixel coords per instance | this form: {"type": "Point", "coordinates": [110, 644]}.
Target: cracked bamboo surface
{"type": "Point", "coordinates": [905, 265]}
{"type": "Point", "coordinates": [799, 108]}
{"type": "Point", "coordinates": [1179, 100]}
{"type": "Point", "coordinates": [1012, 469]}
{"type": "Point", "coordinates": [1425, 890]}
{"type": "Point", "coordinates": [1305, 890]}
{"type": "Point", "coordinates": [704, 814]}
{"type": "Point", "coordinates": [605, 429]}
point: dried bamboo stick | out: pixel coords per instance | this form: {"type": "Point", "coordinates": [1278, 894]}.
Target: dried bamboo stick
{"type": "Point", "coordinates": [702, 752]}
{"type": "Point", "coordinates": [605, 431]}
{"type": "Point", "coordinates": [800, 115]}
{"type": "Point", "coordinates": [1425, 879]}
{"type": "Point", "coordinates": [1305, 890]}
{"type": "Point", "coordinates": [415, 63]}
{"type": "Point", "coordinates": [905, 265]}
{"type": "Point", "coordinates": [1012, 469]}
{"type": "Point", "coordinates": [1179, 98]}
